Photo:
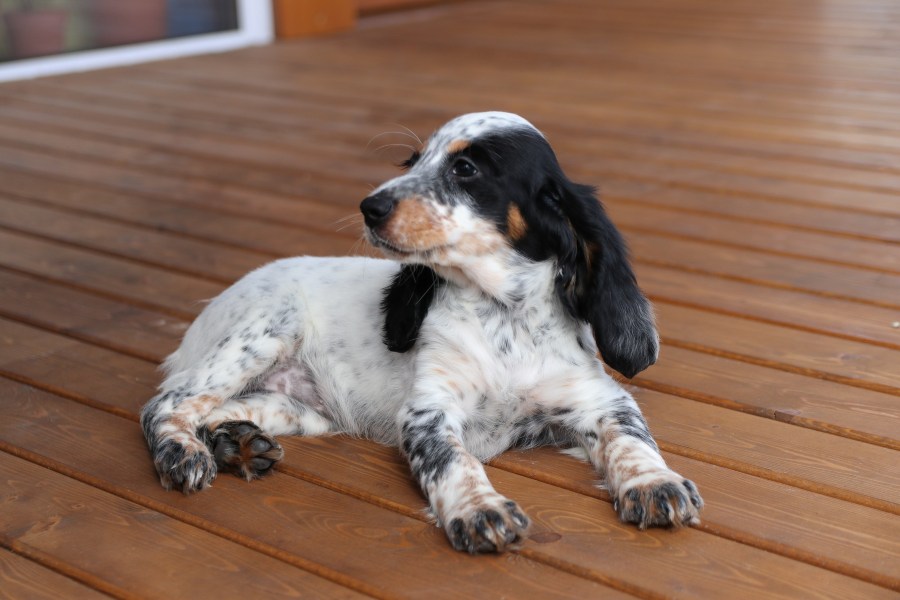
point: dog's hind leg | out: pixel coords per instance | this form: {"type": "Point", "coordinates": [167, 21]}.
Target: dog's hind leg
{"type": "Point", "coordinates": [171, 419]}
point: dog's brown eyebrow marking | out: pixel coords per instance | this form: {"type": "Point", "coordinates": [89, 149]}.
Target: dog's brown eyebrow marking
{"type": "Point", "coordinates": [515, 224]}
{"type": "Point", "coordinates": [457, 146]}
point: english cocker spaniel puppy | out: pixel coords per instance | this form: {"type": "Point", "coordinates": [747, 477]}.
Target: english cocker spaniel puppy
{"type": "Point", "coordinates": [479, 334]}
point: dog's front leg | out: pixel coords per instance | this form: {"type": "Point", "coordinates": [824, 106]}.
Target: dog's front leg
{"type": "Point", "coordinates": [645, 490]}
{"type": "Point", "coordinates": [475, 517]}
{"type": "Point", "coordinates": [607, 422]}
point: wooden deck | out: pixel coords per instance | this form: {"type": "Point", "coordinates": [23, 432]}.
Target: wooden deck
{"type": "Point", "coordinates": [750, 152]}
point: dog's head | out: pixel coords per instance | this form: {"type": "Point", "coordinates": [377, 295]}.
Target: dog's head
{"type": "Point", "coordinates": [488, 185]}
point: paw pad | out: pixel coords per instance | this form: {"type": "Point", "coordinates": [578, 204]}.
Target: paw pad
{"type": "Point", "coordinates": [244, 449]}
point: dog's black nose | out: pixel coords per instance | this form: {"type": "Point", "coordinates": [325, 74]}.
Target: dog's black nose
{"type": "Point", "coordinates": [377, 208]}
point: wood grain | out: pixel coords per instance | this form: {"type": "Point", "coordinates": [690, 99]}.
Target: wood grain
{"type": "Point", "coordinates": [748, 152]}
{"type": "Point", "coordinates": [300, 523]}
{"type": "Point", "coordinates": [59, 517]}
{"type": "Point", "coordinates": [129, 398]}
{"type": "Point", "coordinates": [23, 578]}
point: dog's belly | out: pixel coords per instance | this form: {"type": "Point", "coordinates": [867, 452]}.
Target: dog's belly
{"type": "Point", "coordinates": [296, 381]}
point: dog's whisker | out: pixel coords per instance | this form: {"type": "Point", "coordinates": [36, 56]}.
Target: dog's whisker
{"type": "Point", "coordinates": [395, 145]}
{"type": "Point", "coordinates": [351, 220]}
{"type": "Point", "coordinates": [409, 131]}
{"type": "Point", "coordinates": [401, 133]}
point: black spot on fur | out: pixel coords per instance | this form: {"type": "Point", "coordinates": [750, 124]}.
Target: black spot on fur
{"type": "Point", "coordinates": [631, 422]}
{"type": "Point", "coordinates": [424, 438]}
{"type": "Point", "coordinates": [405, 304]}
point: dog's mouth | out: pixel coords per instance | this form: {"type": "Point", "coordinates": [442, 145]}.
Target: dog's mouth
{"type": "Point", "coordinates": [398, 252]}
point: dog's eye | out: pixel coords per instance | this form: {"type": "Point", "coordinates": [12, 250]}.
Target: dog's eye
{"type": "Point", "coordinates": [464, 168]}
{"type": "Point", "coordinates": [409, 162]}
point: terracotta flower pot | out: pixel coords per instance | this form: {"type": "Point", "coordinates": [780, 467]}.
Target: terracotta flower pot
{"type": "Point", "coordinates": [36, 32]}
{"type": "Point", "coordinates": [118, 22]}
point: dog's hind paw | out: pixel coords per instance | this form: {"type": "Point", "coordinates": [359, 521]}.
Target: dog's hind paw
{"type": "Point", "coordinates": [244, 449]}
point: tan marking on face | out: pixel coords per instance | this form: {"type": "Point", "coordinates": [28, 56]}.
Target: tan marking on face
{"type": "Point", "coordinates": [414, 226]}
{"type": "Point", "coordinates": [457, 146]}
{"type": "Point", "coordinates": [476, 243]}
{"type": "Point", "coordinates": [515, 224]}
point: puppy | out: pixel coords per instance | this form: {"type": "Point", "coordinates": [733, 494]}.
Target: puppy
{"type": "Point", "coordinates": [479, 334]}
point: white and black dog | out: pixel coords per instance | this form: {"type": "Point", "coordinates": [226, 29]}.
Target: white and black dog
{"type": "Point", "coordinates": [480, 335]}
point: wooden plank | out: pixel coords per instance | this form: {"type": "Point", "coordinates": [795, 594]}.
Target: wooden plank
{"type": "Point", "coordinates": [142, 285]}
{"type": "Point", "coordinates": [51, 514]}
{"type": "Point", "coordinates": [614, 159]}
{"type": "Point", "coordinates": [161, 215]}
{"type": "Point", "coordinates": [102, 378]}
{"type": "Point", "coordinates": [629, 214]}
{"type": "Point", "coordinates": [122, 327]}
{"type": "Point", "coordinates": [201, 259]}
{"type": "Point", "coordinates": [857, 253]}
{"type": "Point", "coordinates": [613, 154]}
{"type": "Point", "coordinates": [774, 451]}
{"type": "Point", "coordinates": [655, 100]}
{"type": "Point", "coordinates": [826, 220]}
{"type": "Point", "coordinates": [783, 307]}
{"type": "Point", "coordinates": [631, 113]}
{"type": "Point", "coordinates": [766, 514]}
{"type": "Point", "coordinates": [837, 220]}
{"type": "Point", "coordinates": [756, 181]}
{"type": "Point", "coordinates": [747, 437]}
{"type": "Point", "coordinates": [210, 76]}
{"type": "Point", "coordinates": [831, 280]}
{"type": "Point", "coordinates": [827, 464]}
{"type": "Point", "coordinates": [859, 414]}
{"type": "Point", "coordinates": [281, 173]}
{"type": "Point", "coordinates": [23, 578]}
{"type": "Point", "coordinates": [367, 7]}
{"type": "Point", "coordinates": [852, 363]}
{"type": "Point", "coordinates": [297, 522]}
{"type": "Point", "coordinates": [588, 540]}
{"type": "Point", "coordinates": [189, 191]}
{"type": "Point", "coordinates": [226, 265]}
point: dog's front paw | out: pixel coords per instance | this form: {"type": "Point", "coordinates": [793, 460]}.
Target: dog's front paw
{"type": "Point", "coordinates": [668, 501]}
{"type": "Point", "coordinates": [489, 526]}
{"type": "Point", "coordinates": [244, 449]}
{"type": "Point", "coordinates": [188, 467]}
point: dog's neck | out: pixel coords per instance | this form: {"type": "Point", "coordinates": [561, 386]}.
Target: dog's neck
{"type": "Point", "coordinates": [507, 277]}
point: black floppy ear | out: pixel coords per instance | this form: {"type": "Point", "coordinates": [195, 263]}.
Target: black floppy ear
{"type": "Point", "coordinates": [598, 285]}
{"type": "Point", "coordinates": [405, 303]}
